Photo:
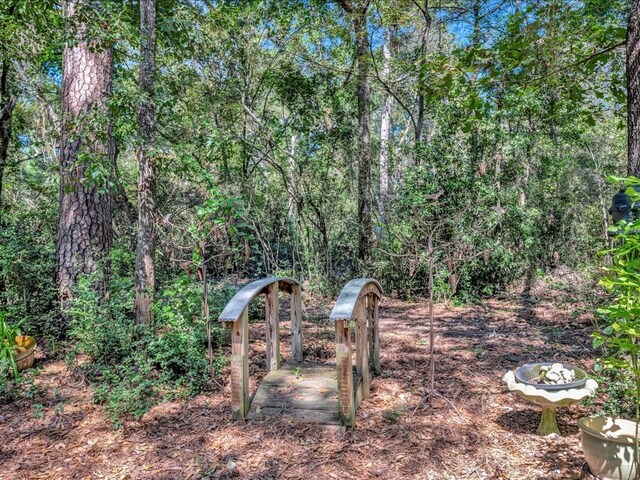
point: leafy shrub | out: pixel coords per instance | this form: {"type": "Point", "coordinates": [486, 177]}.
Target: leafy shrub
{"type": "Point", "coordinates": [8, 346]}
{"type": "Point", "coordinates": [102, 329]}
{"type": "Point", "coordinates": [27, 247]}
{"type": "Point", "coordinates": [485, 278]}
{"type": "Point", "coordinates": [23, 387]}
{"type": "Point", "coordinates": [621, 335]}
{"type": "Point", "coordinates": [620, 388]}
{"type": "Point", "coordinates": [179, 343]}
{"type": "Point", "coordinates": [129, 389]}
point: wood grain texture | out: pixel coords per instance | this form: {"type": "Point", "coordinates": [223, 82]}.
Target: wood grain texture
{"type": "Point", "coordinates": [374, 327]}
{"type": "Point", "coordinates": [296, 323]}
{"type": "Point", "coordinates": [272, 317]}
{"type": "Point", "coordinates": [304, 391]}
{"type": "Point", "coordinates": [362, 346]}
{"type": "Point", "coordinates": [346, 404]}
{"type": "Point", "coordinates": [240, 366]}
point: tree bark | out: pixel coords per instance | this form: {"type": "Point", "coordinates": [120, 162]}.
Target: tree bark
{"type": "Point", "coordinates": [385, 129]}
{"type": "Point", "coordinates": [7, 104]}
{"type": "Point", "coordinates": [292, 179]}
{"type": "Point", "coordinates": [421, 74]}
{"type": "Point", "coordinates": [145, 250]}
{"type": "Point", "coordinates": [633, 90]}
{"type": "Point", "coordinates": [364, 145]}
{"type": "Point", "coordinates": [84, 224]}
{"type": "Point", "coordinates": [357, 11]}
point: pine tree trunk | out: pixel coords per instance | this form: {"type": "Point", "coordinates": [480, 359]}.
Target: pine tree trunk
{"type": "Point", "coordinates": [633, 90]}
{"type": "Point", "coordinates": [385, 129]}
{"type": "Point", "coordinates": [7, 104]}
{"type": "Point", "coordinates": [145, 251]}
{"type": "Point", "coordinates": [84, 225]}
{"type": "Point", "coordinates": [365, 225]}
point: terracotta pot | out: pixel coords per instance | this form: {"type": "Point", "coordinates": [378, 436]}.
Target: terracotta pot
{"type": "Point", "coordinates": [609, 446]}
{"type": "Point", "coordinates": [26, 352]}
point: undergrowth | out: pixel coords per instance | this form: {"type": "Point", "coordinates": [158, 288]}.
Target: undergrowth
{"type": "Point", "coordinates": [130, 367]}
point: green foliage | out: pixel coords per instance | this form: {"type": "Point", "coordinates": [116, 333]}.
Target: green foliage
{"type": "Point", "coordinates": [621, 334]}
{"type": "Point", "coordinates": [27, 243]}
{"type": "Point", "coordinates": [131, 367]}
{"type": "Point", "coordinates": [24, 387]}
{"type": "Point", "coordinates": [178, 344]}
{"type": "Point", "coordinates": [130, 388]}
{"type": "Point", "coordinates": [8, 345]}
{"type": "Point", "coordinates": [620, 388]}
{"type": "Point", "coordinates": [103, 330]}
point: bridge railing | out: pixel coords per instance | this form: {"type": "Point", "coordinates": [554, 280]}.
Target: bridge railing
{"type": "Point", "coordinates": [359, 301]}
{"type": "Point", "coordinates": [236, 314]}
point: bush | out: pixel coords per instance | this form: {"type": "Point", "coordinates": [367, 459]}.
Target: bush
{"type": "Point", "coordinates": [132, 367]}
{"type": "Point", "coordinates": [27, 253]}
{"type": "Point", "coordinates": [102, 329]}
{"type": "Point", "coordinates": [129, 389]}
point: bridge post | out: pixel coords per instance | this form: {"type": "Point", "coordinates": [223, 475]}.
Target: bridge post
{"type": "Point", "coordinates": [346, 402]}
{"type": "Point", "coordinates": [362, 347]}
{"type": "Point", "coordinates": [296, 323]}
{"type": "Point", "coordinates": [374, 333]}
{"type": "Point", "coordinates": [240, 366]}
{"type": "Point", "coordinates": [272, 316]}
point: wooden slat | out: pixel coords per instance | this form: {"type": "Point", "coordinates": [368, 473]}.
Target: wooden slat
{"type": "Point", "coordinates": [323, 376]}
{"type": "Point", "coordinates": [306, 392]}
{"type": "Point", "coordinates": [346, 404]}
{"type": "Point", "coordinates": [322, 417]}
{"type": "Point", "coordinates": [240, 366]}
{"type": "Point", "coordinates": [374, 327]}
{"type": "Point", "coordinates": [362, 346]}
{"type": "Point", "coordinates": [296, 323]}
{"type": "Point", "coordinates": [312, 398]}
{"type": "Point", "coordinates": [272, 317]}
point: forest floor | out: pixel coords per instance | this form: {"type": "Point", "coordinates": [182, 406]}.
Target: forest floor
{"type": "Point", "coordinates": [473, 429]}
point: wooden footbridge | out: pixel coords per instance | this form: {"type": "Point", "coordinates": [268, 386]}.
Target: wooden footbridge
{"type": "Point", "coordinates": [322, 393]}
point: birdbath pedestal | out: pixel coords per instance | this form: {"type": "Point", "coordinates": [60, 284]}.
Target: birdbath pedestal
{"type": "Point", "coordinates": [548, 400]}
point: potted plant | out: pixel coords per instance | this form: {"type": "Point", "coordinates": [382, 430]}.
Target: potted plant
{"type": "Point", "coordinates": [17, 351]}
{"type": "Point", "coordinates": [610, 445]}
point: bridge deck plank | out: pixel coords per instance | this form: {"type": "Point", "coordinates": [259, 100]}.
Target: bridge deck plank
{"type": "Point", "coordinates": [304, 391]}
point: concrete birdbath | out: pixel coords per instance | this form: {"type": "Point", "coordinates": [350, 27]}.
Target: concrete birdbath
{"type": "Point", "coordinates": [550, 386]}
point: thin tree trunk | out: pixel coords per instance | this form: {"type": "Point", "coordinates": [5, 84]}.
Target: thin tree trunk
{"type": "Point", "coordinates": [365, 225]}
{"type": "Point", "coordinates": [385, 129]}
{"type": "Point", "coordinates": [145, 250]}
{"type": "Point", "coordinates": [357, 10]}
{"type": "Point", "coordinates": [84, 225]}
{"type": "Point", "coordinates": [292, 179]}
{"type": "Point", "coordinates": [421, 73]}
{"type": "Point", "coordinates": [633, 90]}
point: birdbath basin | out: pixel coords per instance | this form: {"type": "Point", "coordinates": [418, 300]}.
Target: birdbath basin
{"type": "Point", "coordinates": [549, 396]}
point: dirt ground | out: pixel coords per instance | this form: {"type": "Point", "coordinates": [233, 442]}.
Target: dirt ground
{"type": "Point", "coordinates": [474, 429]}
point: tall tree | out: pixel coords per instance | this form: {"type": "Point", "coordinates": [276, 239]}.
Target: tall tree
{"type": "Point", "coordinates": [422, 64]}
{"type": "Point", "coordinates": [357, 11]}
{"type": "Point", "coordinates": [385, 126]}
{"type": "Point", "coordinates": [7, 104]}
{"type": "Point", "coordinates": [84, 225]}
{"type": "Point", "coordinates": [633, 89]}
{"type": "Point", "coordinates": [145, 251]}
